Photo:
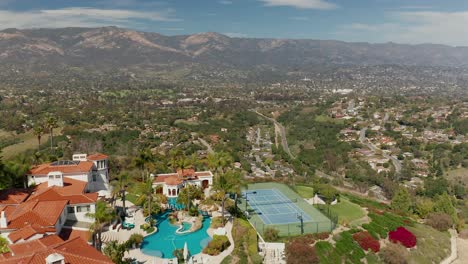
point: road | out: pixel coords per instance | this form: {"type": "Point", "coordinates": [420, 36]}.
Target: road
{"type": "Point", "coordinates": [365, 141]}
{"type": "Point", "coordinates": [208, 146]}
{"type": "Point", "coordinates": [282, 131]}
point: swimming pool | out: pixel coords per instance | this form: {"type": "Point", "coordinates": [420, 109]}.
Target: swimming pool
{"type": "Point", "coordinates": [166, 240]}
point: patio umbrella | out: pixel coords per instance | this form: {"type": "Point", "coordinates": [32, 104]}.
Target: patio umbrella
{"type": "Point", "coordinates": [185, 251]}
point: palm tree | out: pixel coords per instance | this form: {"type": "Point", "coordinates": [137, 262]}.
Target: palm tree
{"type": "Point", "coordinates": [103, 215]}
{"type": "Point", "coordinates": [51, 123]}
{"type": "Point", "coordinates": [219, 161]}
{"type": "Point", "coordinates": [38, 132]}
{"type": "Point", "coordinates": [145, 189]}
{"type": "Point", "coordinates": [238, 182]}
{"type": "Point", "coordinates": [116, 251]}
{"type": "Point", "coordinates": [223, 185]}
{"type": "Point", "coordinates": [119, 188]}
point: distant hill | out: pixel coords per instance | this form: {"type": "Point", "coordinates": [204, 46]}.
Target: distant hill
{"type": "Point", "coordinates": [111, 47]}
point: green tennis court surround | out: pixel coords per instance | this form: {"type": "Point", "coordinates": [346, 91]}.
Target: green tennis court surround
{"type": "Point", "coordinates": [274, 205]}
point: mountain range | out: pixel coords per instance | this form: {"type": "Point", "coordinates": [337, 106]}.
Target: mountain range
{"type": "Point", "coordinates": [112, 47]}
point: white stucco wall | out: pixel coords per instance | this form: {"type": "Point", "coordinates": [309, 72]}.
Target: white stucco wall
{"type": "Point", "coordinates": [81, 216]}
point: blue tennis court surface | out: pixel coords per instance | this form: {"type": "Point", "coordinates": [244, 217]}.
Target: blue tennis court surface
{"type": "Point", "coordinates": [274, 208]}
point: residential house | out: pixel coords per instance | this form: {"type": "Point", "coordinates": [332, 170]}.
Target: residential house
{"type": "Point", "coordinates": [170, 184]}
{"type": "Point", "coordinates": [53, 250]}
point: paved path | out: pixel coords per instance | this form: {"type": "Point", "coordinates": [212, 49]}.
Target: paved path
{"type": "Point", "coordinates": [454, 254]}
{"type": "Point", "coordinates": [208, 146]}
{"type": "Point", "coordinates": [282, 131]}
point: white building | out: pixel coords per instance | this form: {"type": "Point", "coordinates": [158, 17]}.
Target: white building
{"type": "Point", "coordinates": [91, 169]}
{"type": "Point", "coordinates": [170, 184]}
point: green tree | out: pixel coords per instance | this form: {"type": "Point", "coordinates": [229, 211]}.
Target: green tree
{"type": "Point", "coordinates": [103, 215]}
{"type": "Point", "coordinates": [444, 204]}
{"type": "Point", "coordinates": [51, 123]}
{"type": "Point", "coordinates": [223, 185]}
{"type": "Point", "coordinates": [401, 201]}
{"type": "Point", "coordinates": [147, 197]}
{"type": "Point", "coordinates": [424, 206]}
{"type": "Point", "coordinates": [187, 194]}
{"type": "Point", "coordinates": [38, 132]}
{"type": "Point", "coordinates": [119, 188]}
{"type": "Point", "coordinates": [116, 251]}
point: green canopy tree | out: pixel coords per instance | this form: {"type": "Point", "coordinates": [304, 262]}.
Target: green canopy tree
{"type": "Point", "coordinates": [119, 188]}
{"type": "Point", "coordinates": [147, 197]}
{"type": "Point", "coordinates": [401, 201]}
{"type": "Point", "coordinates": [38, 132]}
{"type": "Point", "coordinates": [444, 204]}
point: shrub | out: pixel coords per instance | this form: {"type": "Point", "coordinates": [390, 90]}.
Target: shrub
{"type": "Point", "coordinates": [136, 239]}
{"type": "Point", "coordinates": [150, 230]}
{"type": "Point", "coordinates": [3, 245]}
{"type": "Point", "coordinates": [216, 222]}
{"type": "Point", "coordinates": [394, 254]}
{"type": "Point", "coordinates": [439, 221]}
{"type": "Point", "coordinates": [403, 236]}
{"type": "Point", "coordinates": [271, 234]}
{"type": "Point", "coordinates": [299, 253]}
{"type": "Point", "coordinates": [366, 241]}
{"type": "Point", "coordinates": [217, 245]}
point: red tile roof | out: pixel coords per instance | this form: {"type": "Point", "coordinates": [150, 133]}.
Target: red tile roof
{"type": "Point", "coordinates": [28, 231]}
{"type": "Point", "coordinates": [173, 180]}
{"type": "Point", "coordinates": [43, 213]}
{"type": "Point", "coordinates": [67, 234]}
{"type": "Point", "coordinates": [75, 251]}
{"type": "Point", "coordinates": [97, 156]}
{"type": "Point", "coordinates": [44, 169]}
{"type": "Point", "coordinates": [13, 196]}
{"type": "Point", "coordinates": [72, 190]}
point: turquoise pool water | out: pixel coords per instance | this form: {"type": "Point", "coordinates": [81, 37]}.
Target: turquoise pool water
{"type": "Point", "coordinates": [185, 227]}
{"type": "Point", "coordinates": [166, 240]}
{"type": "Point", "coordinates": [174, 204]}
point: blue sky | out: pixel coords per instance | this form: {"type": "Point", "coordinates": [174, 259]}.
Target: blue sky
{"type": "Point", "coordinates": [402, 21]}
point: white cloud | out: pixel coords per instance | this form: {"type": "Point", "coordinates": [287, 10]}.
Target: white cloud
{"type": "Point", "coordinates": [302, 4]}
{"type": "Point", "coordinates": [225, 2]}
{"type": "Point", "coordinates": [80, 17]}
{"type": "Point", "coordinates": [235, 34]}
{"type": "Point", "coordinates": [414, 27]}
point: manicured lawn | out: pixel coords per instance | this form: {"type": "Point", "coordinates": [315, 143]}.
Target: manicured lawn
{"type": "Point", "coordinates": [347, 211]}
{"type": "Point", "coordinates": [305, 191]}
{"type": "Point", "coordinates": [131, 198]}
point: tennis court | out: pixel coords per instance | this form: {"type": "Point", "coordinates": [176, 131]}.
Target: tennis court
{"type": "Point", "coordinates": [275, 208]}
{"type": "Point", "coordinates": [275, 205]}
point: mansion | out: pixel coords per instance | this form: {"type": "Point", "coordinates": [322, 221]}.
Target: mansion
{"type": "Point", "coordinates": [170, 184]}
{"type": "Point", "coordinates": [56, 204]}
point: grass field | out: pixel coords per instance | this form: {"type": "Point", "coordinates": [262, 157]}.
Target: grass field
{"type": "Point", "coordinates": [347, 211]}
{"type": "Point", "coordinates": [26, 141]}
{"type": "Point", "coordinates": [305, 191]}
{"type": "Point", "coordinates": [432, 246]}
{"type": "Point", "coordinates": [458, 175]}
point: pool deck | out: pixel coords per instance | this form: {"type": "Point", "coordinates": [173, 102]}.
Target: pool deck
{"type": "Point", "coordinates": [124, 235]}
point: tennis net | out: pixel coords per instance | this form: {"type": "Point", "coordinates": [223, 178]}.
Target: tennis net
{"type": "Point", "coordinates": [271, 202]}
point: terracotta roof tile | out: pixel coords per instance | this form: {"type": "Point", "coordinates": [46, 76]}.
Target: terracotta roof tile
{"type": "Point", "coordinates": [97, 156]}
{"type": "Point", "coordinates": [44, 169]}
{"type": "Point", "coordinates": [13, 196]}
{"type": "Point", "coordinates": [75, 251]}
{"type": "Point", "coordinates": [27, 232]}
{"type": "Point", "coordinates": [173, 180]}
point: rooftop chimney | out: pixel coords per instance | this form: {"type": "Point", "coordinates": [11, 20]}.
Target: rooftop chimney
{"type": "Point", "coordinates": [55, 258]}
{"type": "Point", "coordinates": [3, 220]}
{"type": "Point", "coordinates": [55, 178]}
{"type": "Point", "coordinates": [80, 157]}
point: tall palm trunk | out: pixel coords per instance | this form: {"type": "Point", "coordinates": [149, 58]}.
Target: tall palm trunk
{"type": "Point", "coordinates": [222, 208]}
{"type": "Point", "coordinates": [51, 138]}
{"type": "Point", "coordinates": [39, 142]}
